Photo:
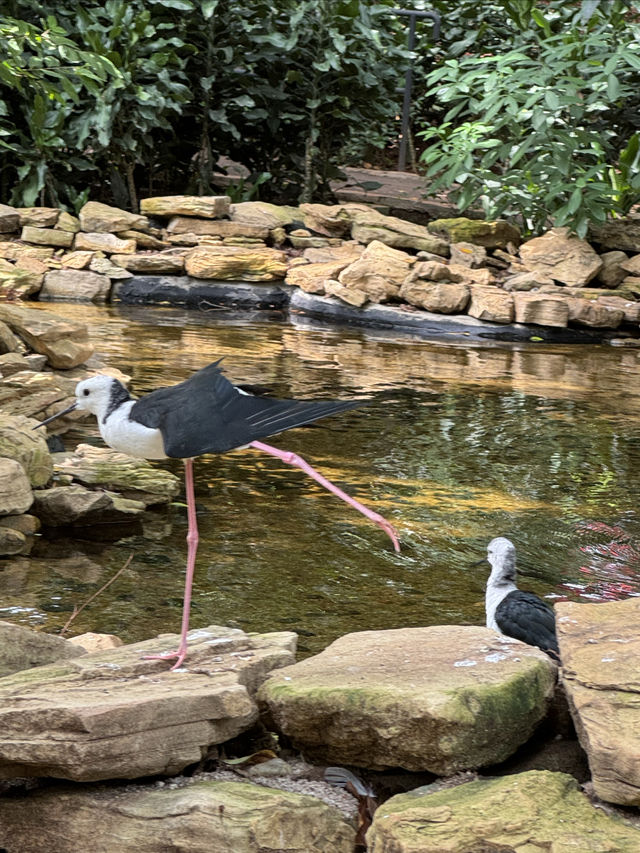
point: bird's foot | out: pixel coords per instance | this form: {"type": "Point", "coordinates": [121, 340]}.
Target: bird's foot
{"type": "Point", "coordinates": [388, 528]}
{"type": "Point", "coordinates": [179, 656]}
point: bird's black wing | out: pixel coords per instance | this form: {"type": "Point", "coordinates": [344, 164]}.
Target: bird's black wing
{"type": "Point", "coordinates": [528, 618]}
{"type": "Point", "coordinates": [207, 414]}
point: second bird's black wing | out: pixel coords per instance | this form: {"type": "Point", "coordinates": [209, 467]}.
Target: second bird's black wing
{"type": "Point", "coordinates": [528, 618]}
{"type": "Point", "coordinates": [208, 414]}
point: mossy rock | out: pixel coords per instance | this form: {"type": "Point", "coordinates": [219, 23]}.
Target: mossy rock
{"type": "Point", "coordinates": [492, 234]}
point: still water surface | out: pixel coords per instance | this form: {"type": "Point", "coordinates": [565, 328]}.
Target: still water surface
{"type": "Point", "coordinates": [461, 442]}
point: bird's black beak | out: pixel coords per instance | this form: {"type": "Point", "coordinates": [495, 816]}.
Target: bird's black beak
{"type": "Point", "coordinates": [57, 415]}
{"type": "Point", "coordinates": [480, 562]}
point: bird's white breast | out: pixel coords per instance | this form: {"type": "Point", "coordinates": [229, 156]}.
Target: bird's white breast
{"type": "Point", "coordinates": [131, 437]}
{"type": "Point", "coordinates": [494, 595]}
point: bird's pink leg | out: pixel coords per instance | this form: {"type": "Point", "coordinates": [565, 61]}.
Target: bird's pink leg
{"type": "Point", "coordinates": [294, 459]}
{"type": "Point", "coordinates": [192, 547]}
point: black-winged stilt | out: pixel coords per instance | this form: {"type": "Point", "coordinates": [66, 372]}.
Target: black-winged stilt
{"type": "Point", "coordinates": [204, 414]}
{"type": "Point", "coordinates": [512, 612]}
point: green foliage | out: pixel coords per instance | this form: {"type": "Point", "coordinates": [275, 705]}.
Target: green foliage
{"type": "Point", "coordinates": [148, 92]}
{"type": "Point", "coordinates": [545, 129]}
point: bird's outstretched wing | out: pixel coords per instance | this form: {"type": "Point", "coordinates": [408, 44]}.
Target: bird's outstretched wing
{"type": "Point", "coordinates": [208, 414]}
{"type": "Point", "coordinates": [528, 618]}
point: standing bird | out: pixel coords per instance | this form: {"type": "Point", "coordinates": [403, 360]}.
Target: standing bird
{"type": "Point", "coordinates": [512, 612]}
{"type": "Point", "coordinates": [204, 414]}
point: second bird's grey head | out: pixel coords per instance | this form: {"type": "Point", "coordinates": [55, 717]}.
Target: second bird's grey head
{"type": "Point", "coordinates": [100, 395]}
{"type": "Point", "coordinates": [501, 554]}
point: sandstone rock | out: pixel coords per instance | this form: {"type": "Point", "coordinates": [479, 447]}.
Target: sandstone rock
{"type": "Point", "coordinates": [151, 263]}
{"type": "Point", "coordinates": [12, 362]}
{"type": "Point", "coordinates": [263, 214]}
{"type": "Point", "coordinates": [103, 242]}
{"type": "Point", "coordinates": [538, 810]}
{"type": "Point", "coordinates": [433, 271]}
{"type": "Point", "coordinates": [17, 281]}
{"type": "Point", "coordinates": [67, 222]}
{"type": "Point", "coordinates": [206, 206]}
{"type": "Point", "coordinates": [9, 343]}
{"type": "Point", "coordinates": [114, 715]}
{"type": "Point", "coordinates": [369, 225]}
{"type": "Point", "coordinates": [106, 267]}
{"type": "Point", "coordinates": [611, 273]}
{"type": "Point", "coordinates": [630, 310]}
{"type": "Point", "coordinates": [468, 254]}
{"type": "Point", "coordinates": [349, 249]}
{"type": "Point", "coordinates": [236, 264]}
{"type": "Point", "coordinates": [35, 394]}
{"type": "Point", "coordinates": [419, 698]}
{"type": "Point", "coordinates": [218, 228]}
{"type": "Point", "coordinates": [46, 237]}
{"type": "Point", "coordinates": [25, 524]}
{"type": "Point", "coordinates": [205, 817]}
{"type": "Point", "coordinates": [631, 265]}
{"type": "Point", "coordinates": [9, 219]}
{"type": "Point", "coordinates": [492, 304]}
{"type": "Point", "coordinates": [443, 298]}
{"type": "Point", "coordinates": [311, 277]}
{"type": "Point", "coordinates": [131, 477]}
{"type": "Point", "coordinates": [65, 343]}
{"type": "Point", "coordinates": [64, 506]}
{"type": "Point", "coordinates": [15, 490]}
{"type": "Point", "coordinates": [350, 295]}
{"type": "Point", "coordinates": [379, 272]}
{"type": "Point", "coordinates": [600, 646]}
{"type": "Point", "coordinates": [621, 234]}
{"type": "Point", "coordinates": [23, 648]}
{"type": "Point", "coordinates": [631, 284]}
{"type": "Point", "coordinates": [95, 216]}
{"type": "Point", "coordinates": [19, 441]}
{"type": "Point", "coordinates": [527, 281]}
{"type": "Point", "coordinates": [333, 220]}
{"type": "Point", "coordinates": [77, 260]}
{"type": "Point", "coordinates": [75, 286]}
{"type": "Point", "coordinates": [143, 240]}
{"type": "Point", "coordinates": [312, 242]}
{"type": "Point", "coordinates": [541, 309]}
{"type": "Point", "coordinates": [39, 217]}
{"type": "Point", "coordinates": [482, 276]}
{"type": "Point", "coordinates": [12, 542]}
{"type": "Point", "coordinates": [594, 314]}
{"type": "Point", "coordinates": [12, 251]}
{"type": "Point", "coordinates": [492, 234]}
{"type": "Point", "coordinates": [560, 255]}
{"type": "Point", "coordinates": [93, 642]}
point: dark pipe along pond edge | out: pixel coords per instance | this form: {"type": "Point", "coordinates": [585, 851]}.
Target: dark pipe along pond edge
{"type": "Point", "coordinates": [187, 292]}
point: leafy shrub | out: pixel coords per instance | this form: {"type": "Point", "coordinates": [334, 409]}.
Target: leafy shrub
{"type": "Point", "coordinates": [542, 129]}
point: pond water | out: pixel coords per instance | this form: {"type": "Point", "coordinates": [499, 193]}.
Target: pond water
{"type": "Point", "coordinates": [461, 442]}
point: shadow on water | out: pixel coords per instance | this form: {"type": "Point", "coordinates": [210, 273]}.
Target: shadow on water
{"type": "Point", "coordinates": [459, 443]}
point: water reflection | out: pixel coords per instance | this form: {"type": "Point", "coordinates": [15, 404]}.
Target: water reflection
{"type": "Point", "coordinates": [461, 442]}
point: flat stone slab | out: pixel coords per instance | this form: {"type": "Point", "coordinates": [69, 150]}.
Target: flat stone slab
{"type": "Point", "coordinates": [114, 715]}
{"type": "Point", "coordinates": [23, 648]}
{"type": "Point", "coordinates": [419, 698]}
{"type": "Point", "coordinates": [600, 648]}
{"type": "Point", "coordinates": [194, 293]}
{"type": "Point", "coordinates": [205, 817]}
{"type": "Point", "coordinates": [533, 811]}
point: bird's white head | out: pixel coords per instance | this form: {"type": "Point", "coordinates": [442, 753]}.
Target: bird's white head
{"type": "Point", "coordinates": [501, 554]}
{"type": "Point", "coordinates": [100, 395]}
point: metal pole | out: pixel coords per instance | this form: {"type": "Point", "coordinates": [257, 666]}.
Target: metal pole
{"type": "Point", "coordinates": [408, 80]}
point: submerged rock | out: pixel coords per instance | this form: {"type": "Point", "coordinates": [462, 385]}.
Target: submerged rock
{"type": "Point", "coordinates": [538, 810]}
{"type": "Point", "coordinates": [419, 698]}
{"type": "Point", "coordinates": [74, 505]}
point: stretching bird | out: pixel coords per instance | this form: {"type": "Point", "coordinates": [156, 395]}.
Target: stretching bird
{"type": "Point", "coordinates": [512, 612]}
{"type": "Point", "coordinates": [204, 414]}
